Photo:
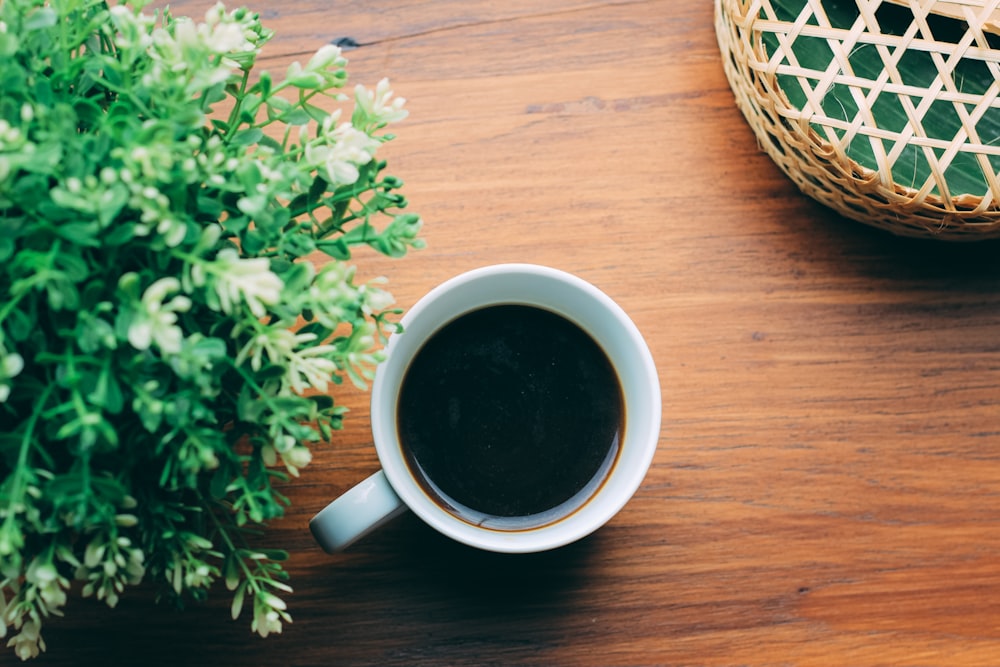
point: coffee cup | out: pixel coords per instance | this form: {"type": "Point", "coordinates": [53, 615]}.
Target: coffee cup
{"type": "Point", "coordinates": [517, 411]}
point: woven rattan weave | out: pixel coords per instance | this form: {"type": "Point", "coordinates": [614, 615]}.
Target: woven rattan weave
{"type": "Point", "coordinates": [888, 112]}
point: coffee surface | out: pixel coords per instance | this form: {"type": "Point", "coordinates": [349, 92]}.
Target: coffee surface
{"type": "Point", "coordinates": [509, 411]}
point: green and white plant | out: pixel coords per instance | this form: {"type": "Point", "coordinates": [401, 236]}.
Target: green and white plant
{"type": "Point", "coordinates": [176, 297]}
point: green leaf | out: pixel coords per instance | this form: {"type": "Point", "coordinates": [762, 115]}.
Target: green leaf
{"type": "Point", "coordinates": [297, 245]}
{"type": "Point", "coordinates": [265, 82]}
{"type": "Point", "coordinates": [269, 372]}
{"type": "Point", "coordinates": [319, 330]}
{"type": "Point", "coordinates": [254, 243]}
{"type": "Point", "coordinates": [276, 106]}
{"type": "Point", "coordinates": [317, 188]}
{"type": "Point", "coordinates": [362, 233]}
{"type": "Point", "coordinates": [62, 294]}
{"type": "Point", "coordinates": [209, 350]}
{"type": "Point", "coordinates": [220, 481]}
{"type": "Point", "coordinates": [237, 607]}
{"type": "Point", "coordinates": [305, 80]}
{"type": "Point", "coordinates": [19, 324]}
{"type": "Point", "coordinates": [120, 235]}
{"type": "Point", "coordinates": [297, 278]}
{"type": "Point", "coordinates": [112, 200]}
{"type": "Point", "coordinates": [94, 334]}
{"type": "Point", "coordinates": [247, 137]}
{"type": "Point", "coordinates": [74, 266]}
{"type": "Point", "coordinates": [89, 112]}
{"type": "Point", "coordinates": [9, 44]}
{"type": "Point", "coordinates": [271, 142]}
{"type": "Point", "coordinates": [210, 205]}
{"type": "Point", "coordinates": [79, 233]}
{"type": "Point", "coordinates": [316, 113]}
{"type": "Point", "coordinates": [6, 248]}
{"type": "Point", "coordinates": [107, 393]}
{"type": "Point", "coordinates": [337, 248]}
{"type": "Point", "coordinates": [250, 176]}
{"type": "Point", "coordinates": [297, 116]}
{"type": "Point", "coordinates": [322, 401]}
{"type": "Point", "coordinates": [43, 17]}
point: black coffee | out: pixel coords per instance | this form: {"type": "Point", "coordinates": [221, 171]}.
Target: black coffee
{"type": "Point", "coordinates": [510, 411]}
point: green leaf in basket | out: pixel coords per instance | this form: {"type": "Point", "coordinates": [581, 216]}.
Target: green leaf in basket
{"type": "Point", "coordinates": [908, 109]}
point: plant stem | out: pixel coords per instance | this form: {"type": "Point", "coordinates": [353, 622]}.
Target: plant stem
{"type": "Point", "coordinates": [18, 484]}
{"type": "Point", "coordinates": [251, 576]}
{"type": "Point", "coordinates": [234, 115]}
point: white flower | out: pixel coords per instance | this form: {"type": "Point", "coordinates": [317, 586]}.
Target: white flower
{"type": "Point", "coordinates": [11, 365]}
{"type": "Point", "coordinates": [28, 642]}
{"type": "Point", "coordinates": [226, 33]}
{"type": "Point", "coordinates": [331, 294]}
{"type": "Point", "coordinates": [309, 369]}
{"type": "Point", "coordinates": [154, 204]}
{"type": "Point", "coordinates": [340, 153]}
{"type": "Point", "coordinates": [227, 38]}
{"type": "Point", "coordinates": [186, 46]}
{"type": "Point", "coordinates": [329, 124]}
{"type": "Point", "coordinates": [376, 299]}
{"type": "Point", "coordinates": [215, 14]}
{"type": "Point", "coordinates": [134, 568]}
{"type": "Point", "coordinates": [10, 137]}
{"type": "Point", "coordinates": [172, 231]}
{"type": "Point", "coordinates": [265, 623]}
{"type": "Point", "coordinates": [132, 28]}
{"type": "Point", "coordinates": [296, 458]}
{"type": "Point", "coordinates": [50, 586]}
{"type": "Point", "coordinates": [246, 280]}
{"type": "Point", "coordinates": [157, 322]}
{"type": "Point", "coordinates": [327, 56]}
{"type": "Point", "coordinates": [185, 34]}
{"type": "Point", "coordinates": [379, 105]}
{"type": "Point", "coordinates": [221, 33]}
{"type": "Point", "coordinates": [293, 455]}
{"type": "Point", "coordinates": [306, 367]}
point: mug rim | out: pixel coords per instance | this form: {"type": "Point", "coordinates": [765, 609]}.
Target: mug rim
{"type": "Point", "coordinates": [640, 388]}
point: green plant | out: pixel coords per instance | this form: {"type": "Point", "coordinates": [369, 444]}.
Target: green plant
{"type": "Point", "coordinates": [169, 329]}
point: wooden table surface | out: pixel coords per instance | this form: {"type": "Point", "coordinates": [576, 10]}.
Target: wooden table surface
{"type": "Point", "coordinates": [827, 485]}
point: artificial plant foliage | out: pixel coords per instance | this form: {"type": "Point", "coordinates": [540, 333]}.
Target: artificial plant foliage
{"type": "Point", "coordinates": [176, 297]}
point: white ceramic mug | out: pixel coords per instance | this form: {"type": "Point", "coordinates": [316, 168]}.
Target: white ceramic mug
{"type": "Point", "coordinates": [394, 489]}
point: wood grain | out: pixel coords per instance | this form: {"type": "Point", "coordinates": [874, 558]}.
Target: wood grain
{"type": "Point", "coordinates": [827, 487]}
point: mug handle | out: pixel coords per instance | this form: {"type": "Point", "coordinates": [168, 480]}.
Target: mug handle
{"type": "Point", "coordinates": [362, 509]}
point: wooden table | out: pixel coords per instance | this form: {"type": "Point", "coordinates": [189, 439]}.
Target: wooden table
{"type": "Point", "coordinates": [827, 487]}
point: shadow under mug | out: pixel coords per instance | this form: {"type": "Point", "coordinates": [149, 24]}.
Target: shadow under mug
{"type": "Point", "coordinates": [394, 489]}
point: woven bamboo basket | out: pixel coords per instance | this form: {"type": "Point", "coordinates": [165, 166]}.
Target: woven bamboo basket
{"type": "Point", "coordinates": [886, 111]}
